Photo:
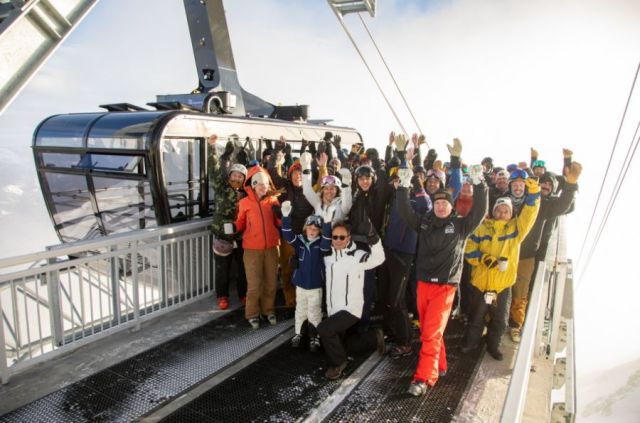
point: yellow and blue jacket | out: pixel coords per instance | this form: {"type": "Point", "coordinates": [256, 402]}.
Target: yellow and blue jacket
{"type": "Point", "coordinates": [500, 239]}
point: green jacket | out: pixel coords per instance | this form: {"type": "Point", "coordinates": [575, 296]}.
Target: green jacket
{"type": "Point", "coordinates": [225, 198]}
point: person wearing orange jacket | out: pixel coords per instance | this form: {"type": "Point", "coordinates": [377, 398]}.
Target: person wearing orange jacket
{"type": "Point", "coordinates": [258, 220]}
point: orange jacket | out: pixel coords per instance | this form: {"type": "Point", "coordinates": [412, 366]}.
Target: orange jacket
{"type": "Point", "coordinates": [256, 218]}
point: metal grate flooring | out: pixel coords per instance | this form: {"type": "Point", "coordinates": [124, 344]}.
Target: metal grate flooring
{"type": "Point", "coordinates": [382, 396]}
{"type": "Point", "coordinates": [283, 386]}
{"type": "Point", "coordinates": [136, 386]}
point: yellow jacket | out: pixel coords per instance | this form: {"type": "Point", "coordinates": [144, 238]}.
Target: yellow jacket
{"type": "Point", "coordinates": [500, 239]}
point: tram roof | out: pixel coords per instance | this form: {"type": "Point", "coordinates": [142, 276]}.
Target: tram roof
{"type": "Point", "coordinates": [139, 130]}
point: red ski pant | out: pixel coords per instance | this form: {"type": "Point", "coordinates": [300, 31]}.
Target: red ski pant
{"type": "Point", "coordinates": [434, 307]}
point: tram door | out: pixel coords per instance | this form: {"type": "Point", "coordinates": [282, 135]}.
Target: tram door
{"type": "Point", "coordinates": [184, 175]}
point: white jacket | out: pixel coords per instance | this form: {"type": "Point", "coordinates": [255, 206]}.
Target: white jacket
{"type": "Point", "coordinates": [345, 277]}
{"type": "Point", "coordinates": [342, 202]}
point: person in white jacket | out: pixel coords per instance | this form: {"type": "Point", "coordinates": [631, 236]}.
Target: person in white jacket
{"type": "Point", "coordinates": [345, 265]}
{"type": "Point", "coordinates": [334, 191]}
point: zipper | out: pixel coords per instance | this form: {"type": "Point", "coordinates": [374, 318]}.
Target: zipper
{"type": "Point", "coordinates": [346, 292]}
{"type": "Point", "coordinates": [264, 229]}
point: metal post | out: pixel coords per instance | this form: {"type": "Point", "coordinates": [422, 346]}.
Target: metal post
{"type": "Point", "coordinates": [4, 370]}
{"type": "Point", "coordinates": [55, 313]}
{"type": "Point", "coordinates": [136, 286]}
{"type": "Point", "coordinates": [115, 287]}
{"type": "Point", "coordinates": [163, 274]}
{"type": "Point", "coordinates": [557, 309]}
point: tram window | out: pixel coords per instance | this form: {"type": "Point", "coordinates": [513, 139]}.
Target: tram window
{"type": "Point", "coordinates": [125, 143]}
{"type": "Point", "coordinates": [71, 206]}
{"type": "Point", "coordinates": [181, 168]}
{"type": "Point", "coordinates": [111, 162]}
{"type": "Point", "coordinates": [60, 160]}
{"type": "Point", "coordinates": [124, 204]}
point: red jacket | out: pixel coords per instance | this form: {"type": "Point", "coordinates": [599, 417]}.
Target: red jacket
{"type": "Point", "coordinates": [256, 218]}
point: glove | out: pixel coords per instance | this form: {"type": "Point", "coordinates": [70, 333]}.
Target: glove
{"type": "Point", "coordinates": [566, 153]}
{"type": "Point", "coordinates": [345, 177]}
{"type": "Point", "coordinates": [327, 136]}
{"type": "Point", "coordinates": [405, 175]}
{"type": "Point", "coordinates": [416, 184]}
{"type": "Point", "coordinates": [422, 139]}
{"type": "Point", "coordinates": [228, 149]}
{"type": "Point", "coordinates": [305, 161]}
{"type": "Point", "coordinates": [534, 153]}
{"type": "Point", "coordinates": [438, 165]}
{"type": "Point", "coordinates": [392, 137]}
{"type": "Point", "coordinates": [327, 215]}
{"type": "Point", "coordinates": [372, 236]}
{"type": "Point", "coordinates": [281, 144]}
{"type": "Point", "coordinates": [489, 261]}
{"type": "Point", "coordinates": [573, 173]}
{"type": "Point", "coordinates": [456, 149]}
{"type": "Point", "coordinates": [286, 208]}
{"type": "Point", "coordinates": [532, 186]}
{"type": "Point", "coordinates": [336, 141]}
{"type": "Point", "coordinates": [401, 142]}
{"type": "Point", "coordinates": [476, 174]}
{"type": "Point", "coordinates": [432, 155]}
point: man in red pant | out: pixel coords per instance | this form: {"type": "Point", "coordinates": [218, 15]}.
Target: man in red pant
{"type": "Point", "coordinates": [442, 234]}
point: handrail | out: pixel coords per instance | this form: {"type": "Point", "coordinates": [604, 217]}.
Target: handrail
{"type": "Point", "coordinates": [82, 291]}
{"type": "Point", "coordinates": [513, 406]}
{"type": "Point", "coordinates": [97, 243]}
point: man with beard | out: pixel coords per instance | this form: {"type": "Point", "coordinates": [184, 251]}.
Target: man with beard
{"type": "Point", "coordinates": [227, 246]}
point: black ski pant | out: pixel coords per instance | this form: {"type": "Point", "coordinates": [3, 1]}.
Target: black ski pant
{"type": "Point", "coordinates": [499, 315]}
{"type": "Point", "coordinates": [338, 337]}
{"type": "Point", "coordinates": [394, 276]}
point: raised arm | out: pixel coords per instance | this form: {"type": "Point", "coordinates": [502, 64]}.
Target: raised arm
{"type": "Point", "coordinates": [527, 217]}
{"type": "Point", "coordinates": [307, 189]}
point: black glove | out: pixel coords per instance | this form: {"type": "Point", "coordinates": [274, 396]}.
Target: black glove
{"type": "Point", "coordinates": [228, 149]}
{"type": "Point", "coordinates": [432, 155]}
{"type": "Point", "coordinates": [416, 184]}
{"type": "Point", "coordinates": [327, 136]}
{"type": "Point", "coordinates": [372, 236]}
{"type": "Point", "coordinates": [280, 145]}
{"type": "Point", "coordinates": [268, 145]}
{"type": "Point", "coordinates": [489, 261]}
{"type": "Point", "coordinates": [304, 144]}
{"type": "Point", "coordinates": [336, 141]}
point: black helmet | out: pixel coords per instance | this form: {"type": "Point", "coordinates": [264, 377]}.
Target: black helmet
{"type": "Point", "coordinates": [417, 169]}
{"type": "Point", "coordinates": [365, 170]}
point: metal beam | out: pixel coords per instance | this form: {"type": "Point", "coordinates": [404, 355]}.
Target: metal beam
{"type": "Point", "coordinates": [29, 34]}
{"type": "Point", "coordinates": [344, 7]}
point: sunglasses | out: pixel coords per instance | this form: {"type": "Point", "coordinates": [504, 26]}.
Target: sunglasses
{"type": "Point", "coordinates": [340, 237]}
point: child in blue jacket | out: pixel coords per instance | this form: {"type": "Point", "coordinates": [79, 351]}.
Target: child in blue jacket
{"type": "Point", "coordinates": [308, 277]}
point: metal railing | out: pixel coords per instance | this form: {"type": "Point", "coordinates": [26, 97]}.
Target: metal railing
{"type": "Point", "coordinates": [548, 333]}
{"type": "Point", "coordinates": [54, 301]}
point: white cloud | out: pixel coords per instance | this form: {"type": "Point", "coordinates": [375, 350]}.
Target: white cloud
{"type": "Point", "coordinates": [13, 189]}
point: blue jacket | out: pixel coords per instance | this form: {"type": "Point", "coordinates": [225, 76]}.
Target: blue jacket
{"type": "Point", "coordinates": [309, 273]}
{"type": "Point", "coordinates": [400, 236]}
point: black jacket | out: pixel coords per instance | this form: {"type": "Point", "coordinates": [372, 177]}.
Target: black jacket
{"type": "Point", "coordinates": [441, 241]}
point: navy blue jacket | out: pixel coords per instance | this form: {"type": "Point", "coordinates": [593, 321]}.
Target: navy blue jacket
{"type": "Point", "coordinates": [309, 273]}
{"type": "Point", "coordinates": [399, 235]}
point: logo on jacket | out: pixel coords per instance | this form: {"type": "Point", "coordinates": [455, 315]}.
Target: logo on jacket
{"type": "Point", "coordinates": [449, 229]}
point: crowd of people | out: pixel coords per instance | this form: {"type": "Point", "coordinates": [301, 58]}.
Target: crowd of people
{"type": "Point", "coordinates": [348, 233]}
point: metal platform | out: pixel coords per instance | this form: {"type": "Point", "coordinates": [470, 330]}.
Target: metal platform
{"type": "Point", "coordinates": [279, 384]}
{"type": "Point", "coordinates": [382, 396]}
{"type": "Point", "coordinates": [137, 386]}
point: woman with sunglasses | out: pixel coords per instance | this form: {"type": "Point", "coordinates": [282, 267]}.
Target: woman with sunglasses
{"type": "Point", "coordinates": [334, 191]}
{"type": "Point", "coordinates": [345, 266]}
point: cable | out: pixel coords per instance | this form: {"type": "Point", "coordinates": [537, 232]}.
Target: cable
{"type": "Point", "coordinates": [621, 177]}
{"type": "Point", "coordinates": [415, 121]}
{"type": "Point", "coordinates": [369, 69]}
{"type": "Point", "coordinates": [595, 207]}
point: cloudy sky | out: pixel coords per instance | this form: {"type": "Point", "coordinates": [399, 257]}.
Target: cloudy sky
{"type": "Point", "coordinates": [502, 76]}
